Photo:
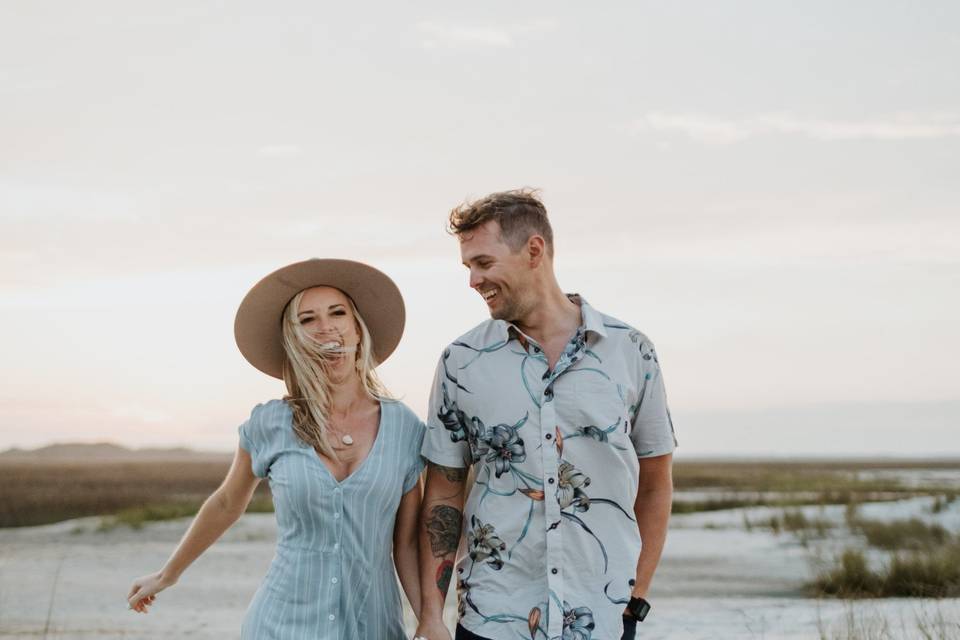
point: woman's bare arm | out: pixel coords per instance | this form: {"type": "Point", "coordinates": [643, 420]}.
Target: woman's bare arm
{"type": "Point", "coordinates": [406, 552]}
{"type": "Point", "coordinates": [223, 508]}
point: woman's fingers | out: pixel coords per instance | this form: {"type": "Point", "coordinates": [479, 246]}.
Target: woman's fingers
{"type": "Point", "coordinates": [143, 593]}
{"type": "Point", "coordinates": [134, 598]}
{"type": "Point", "coordinates": [133, 589]}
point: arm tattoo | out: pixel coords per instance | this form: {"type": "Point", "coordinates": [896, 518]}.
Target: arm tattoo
{"type": "Point", "coordinates": [443, 527]}
{"type": "Point", "coordinates": [444, 573]}
{"type": "Point", "coordinates": [453, 474]}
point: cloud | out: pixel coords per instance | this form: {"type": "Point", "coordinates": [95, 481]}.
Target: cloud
{"type": "Point", "coordinates": [717, 130]}
{"type": "Point", "coordinates": [439, 34]}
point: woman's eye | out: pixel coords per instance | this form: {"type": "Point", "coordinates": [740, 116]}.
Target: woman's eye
{"type": "Point", "coordinates": [340, 313]}
{"type": "Point", "coordinates": [306, 321]}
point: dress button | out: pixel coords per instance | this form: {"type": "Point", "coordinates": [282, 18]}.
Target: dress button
{"type": "Point", "coordinates": [332, 617]}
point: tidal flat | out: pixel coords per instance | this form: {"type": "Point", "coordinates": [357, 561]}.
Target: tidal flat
{"type": "Point", "coordinates": [752, 563]}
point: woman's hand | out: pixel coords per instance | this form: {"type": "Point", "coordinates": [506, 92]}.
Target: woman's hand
{"type": "Point", "coordinates": [145, 589]}
{"type": "Point", "coordinates": [433, 631]}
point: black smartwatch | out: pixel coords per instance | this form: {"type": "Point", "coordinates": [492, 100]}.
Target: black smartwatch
{"type": "Point", "coordinates": [638, 608]}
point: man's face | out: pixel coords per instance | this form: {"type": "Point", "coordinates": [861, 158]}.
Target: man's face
{"type": "Point", "coordinates": [500, 276]}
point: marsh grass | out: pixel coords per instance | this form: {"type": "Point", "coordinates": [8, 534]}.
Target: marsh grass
{"type": "Point", "coordinates": [913, 534]}
{"type": "Point", "coordinates": [942, 502]}
{"type": "Point", "coordinates": [41, 492]}
{"type": "Point", "coordinates": [929, 573]}
{"type": "Point", "coordinates": [869, 625]}
{"type": "Point", "coordinates": [791, 521]}
{"type": "Point", "coordinates": [830, 478]}
{"type": "Point", "coordinates": [137, 517]}
{"type": "Point", "coordinates": [793, 484]}
{"type": "Point", "coordinates": [45, 492]}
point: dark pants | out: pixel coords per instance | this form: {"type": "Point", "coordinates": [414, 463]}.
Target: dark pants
{"type": "Point", "coordinates": [629, 631]}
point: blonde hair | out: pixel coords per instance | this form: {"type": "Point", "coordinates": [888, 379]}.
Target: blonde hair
{"type": "Point", "coordinates": [306, 373]}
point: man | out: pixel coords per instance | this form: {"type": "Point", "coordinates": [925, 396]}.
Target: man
{"type": "Point", "coordinates": [562, 414]}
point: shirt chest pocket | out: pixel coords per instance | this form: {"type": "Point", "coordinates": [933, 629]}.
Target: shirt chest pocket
{"type": "Point", "coordinates": [593, 408]}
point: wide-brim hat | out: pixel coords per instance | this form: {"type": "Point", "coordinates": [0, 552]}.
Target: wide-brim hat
{"type": "Point", "coordinates": [258, 325]}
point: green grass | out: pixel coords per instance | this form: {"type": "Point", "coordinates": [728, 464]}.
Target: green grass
{"type": "Point", "coordinates": [40, 493]}
{"type": "Point", "coordinates": [912, 534]}
{"type": "Point", "coordinates": [33, 493]}
{"type": "Point", "coordinates": [137, 517]}
{"type": "Point", "coordinates": [931, 573]}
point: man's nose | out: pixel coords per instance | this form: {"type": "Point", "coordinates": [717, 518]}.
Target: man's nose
{"type": "Point", "coordinates": [475, 279]}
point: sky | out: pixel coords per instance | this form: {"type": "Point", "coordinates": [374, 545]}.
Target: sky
{"type": "Point", "coordinates": [768, 190]}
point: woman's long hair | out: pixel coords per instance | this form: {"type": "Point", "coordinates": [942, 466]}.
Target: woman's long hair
{"type": "Point", "coordinates": [306, 373]}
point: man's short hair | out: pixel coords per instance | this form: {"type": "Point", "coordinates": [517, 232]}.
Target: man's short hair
{"type": "Point", "coordinates": [519, 213]}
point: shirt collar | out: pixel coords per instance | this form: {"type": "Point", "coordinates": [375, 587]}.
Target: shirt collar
{"type": "Point", "coordinates": [592, 321]}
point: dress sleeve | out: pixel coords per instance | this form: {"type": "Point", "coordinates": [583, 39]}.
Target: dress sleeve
{"type": "Point", "coordinates": [254, 439]}
{"type": "Point", "coordinates": [445, 442]}
{"type": "Point", "coordinates": [652, 433]}
{"type": "Point", "coordinates": [416, 460]}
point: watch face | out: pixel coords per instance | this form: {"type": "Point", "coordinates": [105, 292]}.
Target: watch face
{"type": "Point", "coordinates": [639, 608]}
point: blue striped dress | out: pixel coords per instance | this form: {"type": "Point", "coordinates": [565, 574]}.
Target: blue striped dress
{"type": "Point", "coordinates": [332, 577]}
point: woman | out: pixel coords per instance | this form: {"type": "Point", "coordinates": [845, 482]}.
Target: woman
{"type": "Point", "coordinates": [343, 461]}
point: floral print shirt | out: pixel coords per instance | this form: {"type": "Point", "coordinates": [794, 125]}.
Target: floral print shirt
{"type": "Point", "coordinates": [551, 543]}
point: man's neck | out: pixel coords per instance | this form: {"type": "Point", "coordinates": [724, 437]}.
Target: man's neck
{"type": "Point", "coordinates": [554, 317]}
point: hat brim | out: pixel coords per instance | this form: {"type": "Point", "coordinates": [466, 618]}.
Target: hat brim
{"type": "Point", "coordinates": [258, 327]}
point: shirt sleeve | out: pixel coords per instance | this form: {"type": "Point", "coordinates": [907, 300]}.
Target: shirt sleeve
{"type": "Point", "coordinates": [652, 433]}
{"type": "Point", "coordinates": [445, 441]}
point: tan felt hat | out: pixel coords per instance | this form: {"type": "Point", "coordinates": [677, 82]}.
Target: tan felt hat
{"type": "Point", "coordinates": [257, 327]}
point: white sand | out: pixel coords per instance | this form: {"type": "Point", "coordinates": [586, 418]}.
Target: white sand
{"type": "Point", "coordinates": [70, 581]}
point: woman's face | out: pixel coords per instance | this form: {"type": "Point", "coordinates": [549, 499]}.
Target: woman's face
{"type": "Point", "coordinates": [326, 314]}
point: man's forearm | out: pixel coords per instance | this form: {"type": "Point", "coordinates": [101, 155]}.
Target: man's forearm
{"type": "Point", "coordinates": [441, 523]}
{"type": "Point", "coordinates": [652, 510]}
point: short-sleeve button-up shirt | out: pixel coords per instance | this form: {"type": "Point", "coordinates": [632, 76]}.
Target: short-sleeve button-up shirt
{"type": "Point", "coordinates": [550, 542]}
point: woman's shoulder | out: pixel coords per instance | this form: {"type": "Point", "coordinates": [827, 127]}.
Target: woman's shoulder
{"type": "Point", "coordinates": [267, 417]}
{"type": "Point", "coordinates": [407, 419]}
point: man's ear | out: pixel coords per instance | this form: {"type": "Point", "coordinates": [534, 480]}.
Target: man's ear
{"type": "Point", "coordinates": [536, 250]}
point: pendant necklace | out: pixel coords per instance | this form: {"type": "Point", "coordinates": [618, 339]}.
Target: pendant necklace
{"type": "Point", "coordinates": [345, 438]}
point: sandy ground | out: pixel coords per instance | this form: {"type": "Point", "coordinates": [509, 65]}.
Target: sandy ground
{"type": "Point", "coordinates": [716, 581]}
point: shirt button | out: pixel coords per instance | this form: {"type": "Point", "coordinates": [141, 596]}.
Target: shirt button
{"type": "Point", "coordinates": [336, 515]}
{"type": "Point", "coordinates": [332, 617]}
{"type": "Point", "coordinates": [550, 480]}
{"type": "Point", "coordinates": [553, 571]}
{"type": "Point", "coordinates": [549, 436]}
{"type": "Point", "coordinates": [336, 545]}
{"type": "Point", "coordinates": [333, 580]}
